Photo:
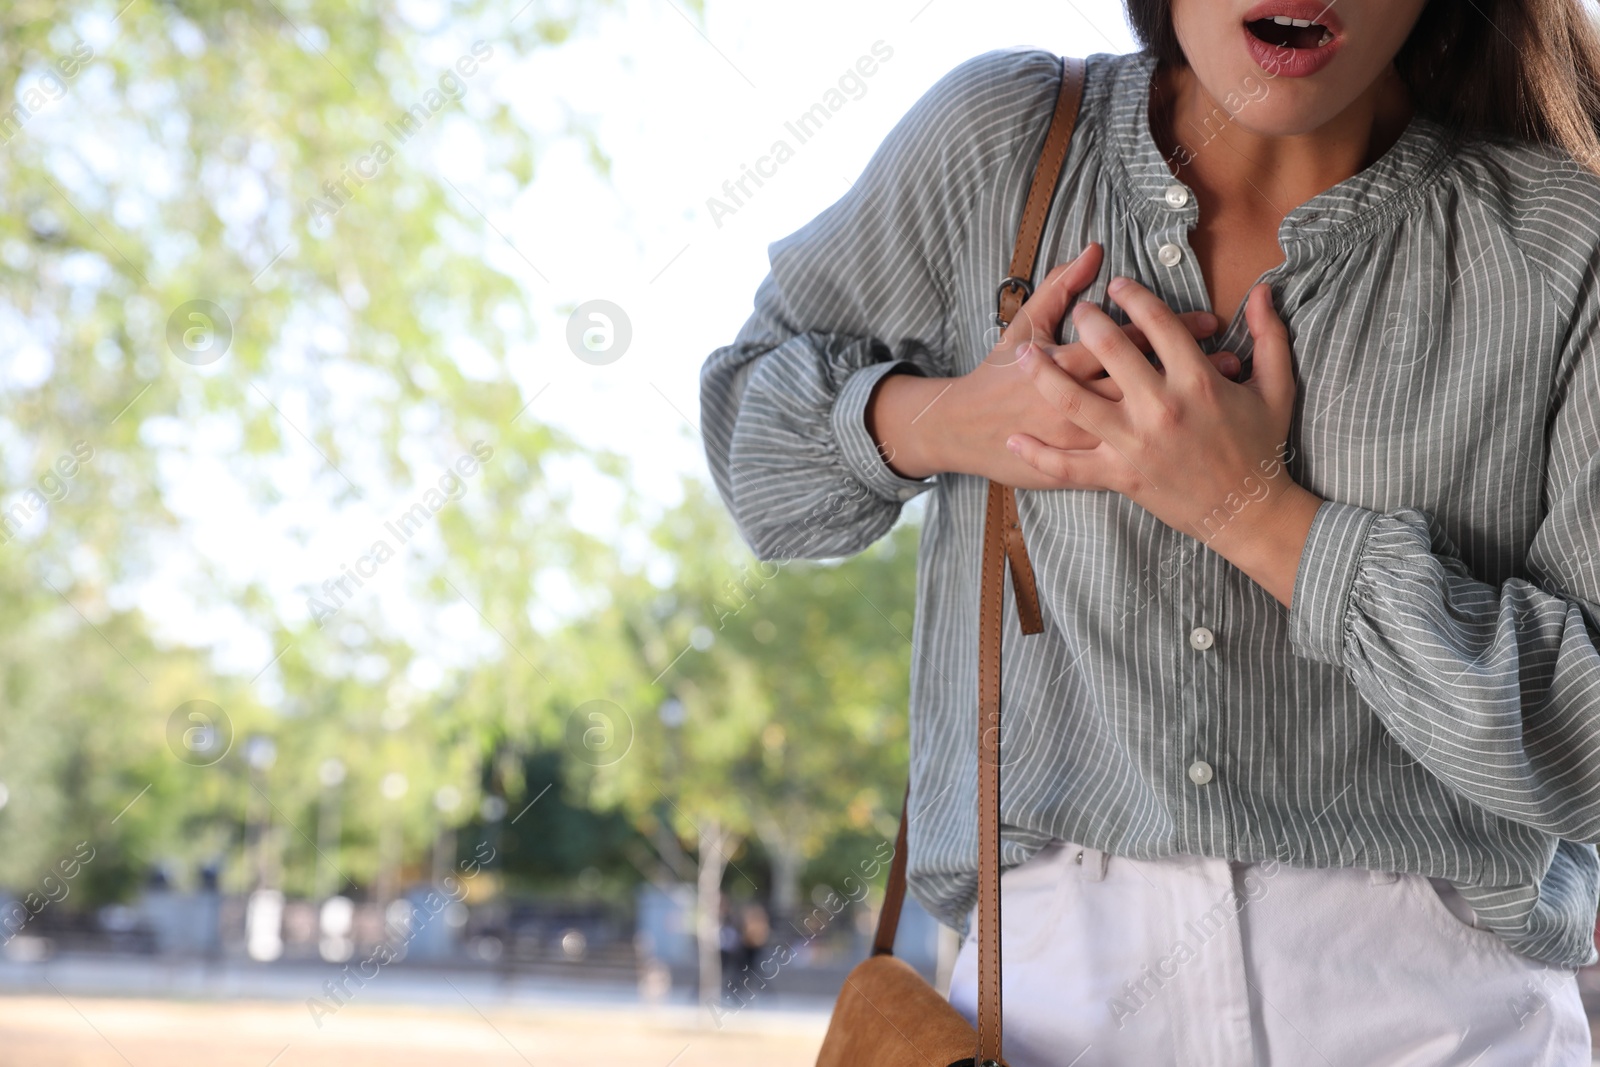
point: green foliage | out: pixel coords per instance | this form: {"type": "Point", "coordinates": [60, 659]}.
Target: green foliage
{"type": "Point", "coordinates": [792, 680]}
{"type": "Point", "coordinates": [198, 150]}
{"type": "Point", "coordinates": [185, 159]}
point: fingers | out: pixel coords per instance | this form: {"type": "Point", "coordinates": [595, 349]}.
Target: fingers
{"type": "Point", "coordinates": [1077, 360]}
{"type": "Point", "coordinates": [1119, 356]}
{"type": "Point", "coordinates": [1068, 468]}
{"type": "Point", "coordinates": [1040, 317]}
{"type": "Point", "coordinates": [1169, 337]}
{"type": "Point", "coordinates": [1227, 364]}
{"type": "Point", "coordinates": [1200, 323]}
{"type": "Point", "coordinates": [1272, 374]}
{"type": "Point", "coordinates": [1042, 312]}
{"type": "Point", "coordinates": [1081, 364]}
{"type": "Point", "coordinates": [1066, 394]}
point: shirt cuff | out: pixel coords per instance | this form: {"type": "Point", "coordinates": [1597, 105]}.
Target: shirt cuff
{"type": "Point", "coordinates": [1328, 565]}
{"type": "Point", "coordinates": [856, 445]}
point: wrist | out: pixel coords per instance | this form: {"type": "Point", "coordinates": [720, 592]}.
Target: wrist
{"type": "Point", "coordinates": [1268, 544]}
{"type": "Point", "coordinates": [899, 420]}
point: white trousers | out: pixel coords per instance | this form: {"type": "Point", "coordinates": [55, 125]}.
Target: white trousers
{"type": "Point", "coordinates": [1115, 962]}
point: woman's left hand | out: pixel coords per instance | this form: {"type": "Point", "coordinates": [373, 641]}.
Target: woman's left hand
{"type": "Point", "coordinates": [1199, 452]}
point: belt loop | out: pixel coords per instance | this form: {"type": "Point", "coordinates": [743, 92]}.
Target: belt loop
{"type": "Point", "coordinates": [1091, 862]}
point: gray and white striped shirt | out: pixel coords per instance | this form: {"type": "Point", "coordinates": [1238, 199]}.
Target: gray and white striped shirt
{"type": "Point", "coordinates": [1430, 703]}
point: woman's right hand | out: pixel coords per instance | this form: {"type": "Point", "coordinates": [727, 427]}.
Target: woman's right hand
{"type": "Point", "coordinates": [934, 425]}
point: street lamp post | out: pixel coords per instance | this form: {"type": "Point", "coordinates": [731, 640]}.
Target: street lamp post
{"type": "Point", "coordinates": [393, 787]}
{"type": "Point", "coordinates": [263, 917]}
{"type": "Point", "coordinates": [260, 753]}
{"type": "Point", "coordinates": [331, 775]}
{"type": "Point", "coordinates": [446, 800]}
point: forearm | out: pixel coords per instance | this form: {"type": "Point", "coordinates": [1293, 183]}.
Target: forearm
{"type": "Point", "coordinates": [901, 419]}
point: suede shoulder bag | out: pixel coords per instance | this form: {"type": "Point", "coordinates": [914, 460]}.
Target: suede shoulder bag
{"type": "Point", "coordinates": [887, 1015]}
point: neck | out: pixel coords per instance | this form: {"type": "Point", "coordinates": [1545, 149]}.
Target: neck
{"type": "Point", "coordinates": [1228, 165]}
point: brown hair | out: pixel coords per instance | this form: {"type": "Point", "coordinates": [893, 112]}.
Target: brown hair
{"type": "Point", "coordinates": [1524, 69]}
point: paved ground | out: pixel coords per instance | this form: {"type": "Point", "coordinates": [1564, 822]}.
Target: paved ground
{"type": "Point", "coordinates": [86, 1031]}
{"type": "Point", "coordinates": [54, 1031]}
{"type": "Point", "coordinates": [114, 1012]}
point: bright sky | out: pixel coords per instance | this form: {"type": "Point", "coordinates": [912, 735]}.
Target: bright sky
{"type": "Point", "coordinates": [679, 110]}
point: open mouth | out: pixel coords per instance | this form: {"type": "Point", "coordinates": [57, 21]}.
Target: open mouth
{"type": "Point", "coordinates": [1281, 31]}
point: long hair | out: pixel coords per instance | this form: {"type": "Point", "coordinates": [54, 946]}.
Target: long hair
{"type": "Point", "coordinates": [1522, 69]}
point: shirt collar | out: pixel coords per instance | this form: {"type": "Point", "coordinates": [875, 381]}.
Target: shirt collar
{"type": "Point", "coordinates": [1364, 201]}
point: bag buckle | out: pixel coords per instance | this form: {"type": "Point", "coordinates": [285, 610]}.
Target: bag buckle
{"type": "Point", "coordinates": [1014, 283]}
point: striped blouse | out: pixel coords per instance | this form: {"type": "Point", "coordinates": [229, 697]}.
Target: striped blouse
{"type": "Point", "coordinates": [1431, 701]}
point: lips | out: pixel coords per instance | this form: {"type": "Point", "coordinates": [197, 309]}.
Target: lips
{"type": "Point", "coordinates": [1294, 38]}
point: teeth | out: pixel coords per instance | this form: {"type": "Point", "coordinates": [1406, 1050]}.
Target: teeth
{"type": "Point", "coordinates": [1285, 20]}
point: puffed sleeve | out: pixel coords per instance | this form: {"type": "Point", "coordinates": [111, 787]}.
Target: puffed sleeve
{"type": "Point", "coordinates": [862, 291]}
{"type": "Point", "coordinates": [1495, 689]}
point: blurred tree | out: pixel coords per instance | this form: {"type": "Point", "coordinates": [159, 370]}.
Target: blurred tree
{"type": "Point", "coordinates": [742, 697]}
{"type": "Point", "coordinates": [551, 838]}
{"type": "Point", "coordinates": [234, 280]}
{"type": "Point", "coordinates": [232, 277]}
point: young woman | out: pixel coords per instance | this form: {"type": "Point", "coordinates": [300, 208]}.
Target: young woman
{"type": "Point", "coordinates": [1305, 767]}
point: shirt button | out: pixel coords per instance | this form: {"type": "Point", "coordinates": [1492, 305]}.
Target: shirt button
{"type": "Point", "coordinates": [1199, 772]}
{"type": "Point", "coordinates": [1170, 255]}
{"type": "Point", "coordinates": [1201, 638]}
{"type": "Point", "coordinates": [1177, 196]}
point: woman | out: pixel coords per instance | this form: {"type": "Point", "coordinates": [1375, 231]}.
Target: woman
{"type": "Point", "coordinates": [1308, 763]}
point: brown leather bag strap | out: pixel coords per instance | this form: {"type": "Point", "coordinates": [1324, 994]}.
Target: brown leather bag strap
{"type": "Point", "coordinates": [895, 894]}
{"type": "Point", "coordinates": [1022, 582]}
{"type": "Point", "coordinates": [1002, 542]}
{"type": "Point", "coordinates": [1018, 285]}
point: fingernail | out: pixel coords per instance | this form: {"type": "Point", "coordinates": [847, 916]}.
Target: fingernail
{"type": "Point", "coordinates": [1208, 321]}
{"type": "Point", "coordinates": [1025, 350]}
{"type": "Point", "coordinates": [1013, 445]}
{"type": "Point", "coordinates": [1117, 284]}
{"type": "Point", "coordinates": [1228, 365]}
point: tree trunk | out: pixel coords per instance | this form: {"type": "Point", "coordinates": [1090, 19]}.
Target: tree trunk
{"type": "Point", "coordinates": [787, 864]}
{"type": "Point", "coordinates": [708, 908]}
